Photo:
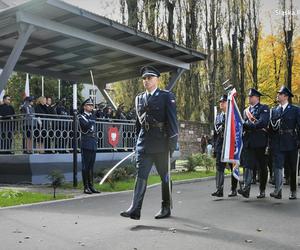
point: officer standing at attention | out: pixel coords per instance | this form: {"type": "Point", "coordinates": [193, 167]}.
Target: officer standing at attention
{"type": "Point", "coordinates": [157, 132]}
{"type": "Point", "coordinates": [285, 137]}
{"type": "Point", "coordinates": [87, 122]}
{"type": "Point", "coordinates": [255, 140]}
{"type": "Point", "coordinates": [218, 144]}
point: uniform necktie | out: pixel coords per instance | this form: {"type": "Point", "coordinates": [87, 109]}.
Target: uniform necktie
{"type": "Point", "coordinates": [148, 96]}
{"type": "Point", "coordinates": [281, 110]}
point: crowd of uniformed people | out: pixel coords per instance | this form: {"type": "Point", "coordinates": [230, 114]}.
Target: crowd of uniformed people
{"type": "Point", "coordinates": [271, 140]}
{"type": "Point", "coordinates": [36, 114]}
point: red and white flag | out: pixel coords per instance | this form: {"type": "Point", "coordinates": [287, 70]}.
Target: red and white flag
{"type": "Point", "coordinates": [233, 143]}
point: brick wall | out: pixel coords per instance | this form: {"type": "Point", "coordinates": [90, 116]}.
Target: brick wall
{"type": "Point", "coordinates": [190, 134]}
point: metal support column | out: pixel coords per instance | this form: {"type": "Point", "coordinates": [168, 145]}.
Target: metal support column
{"type": "Point", "coordinates": [107, 96]}
{"type": "Point", "coordinates": [15, 55]}
{"type": "Point", "coordinates": [174, 77]}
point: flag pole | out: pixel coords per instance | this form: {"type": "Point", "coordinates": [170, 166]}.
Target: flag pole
{"type": "Point", "coordinates": [169, 179]}
{"type": "Point", "coordinates": [43, 93]}
{"type": "Point", "coordinates": [58, 89]}
{"type": "Point", "coordinates": [94, 94]}
{"type": "Point", "coordinates": [27, 89]}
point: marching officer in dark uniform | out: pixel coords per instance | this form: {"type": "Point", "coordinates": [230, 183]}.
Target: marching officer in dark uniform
{"type": "Point", "coordinates": [218, 144]}
{"type": "Point", "coordinates": [255, 140]}
{"type": "Point", "coordinates": [157, 132]}
{"type": "Point", "coordinates": [285, 137]}
{"type": "Point", "coordinates": [87, 122]}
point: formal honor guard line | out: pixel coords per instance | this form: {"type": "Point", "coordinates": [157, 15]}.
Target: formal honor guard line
{"type": "Point", "coordinates": [55, 39]}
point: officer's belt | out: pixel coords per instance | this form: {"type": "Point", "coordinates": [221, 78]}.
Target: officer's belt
{"type": "Point", "coordinates": [286, 131]}
{"type": "Point", "coordinates": [160, 125]}
{"type": "Point", "coordinates": [89, 134]}
{"type": "Point", "coordinates": [261, 129]}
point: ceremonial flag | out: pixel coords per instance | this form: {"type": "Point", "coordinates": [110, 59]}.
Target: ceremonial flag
{"type": "Point", "coordinates": [233, 144]}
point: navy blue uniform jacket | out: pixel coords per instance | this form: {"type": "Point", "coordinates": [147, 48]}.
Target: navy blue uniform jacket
{"type": "Point", "coordinates": [88, 131]}
{"type": "Point", "coordinates": [255, 131]}
{"type": "Point", "coordinates": [219, 132]}
{"type": "Point", "coordinates": [159, 108]}
{"type": "Point", "coordinates": [286, 136]}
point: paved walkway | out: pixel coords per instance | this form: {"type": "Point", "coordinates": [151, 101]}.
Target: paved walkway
{"type": "Point", "coordinates": [198, 222]}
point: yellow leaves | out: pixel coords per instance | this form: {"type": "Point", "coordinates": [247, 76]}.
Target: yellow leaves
{"type": "Point", "coordinates": [272, 67]}
{"type": "Point", "coordinates": [296, 71]}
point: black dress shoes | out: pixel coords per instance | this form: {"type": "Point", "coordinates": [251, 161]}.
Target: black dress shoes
{"type": "Point", "coordinates": [293, 195]}
{"type": "Point", "coordinates": [218, 193]}
{"type": "Point", "coordinates": [87, 191]}
{"type": "Point", "coordinates": [135, 215]}
{"type": "Point", "coordinates": [164, 212]}
{"type": "Point", "coordinates": [94, 190]}
{"type": "Point", "coordinates": [245, 192]}
{"type": "Point", "coordinates": [277, 195]}
{"type": "Point", "coordinates": [261, 195]}
{"type": "Point", "coordinates": [233, 193]}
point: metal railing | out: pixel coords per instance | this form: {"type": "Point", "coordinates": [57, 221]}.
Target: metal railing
{"type": "Point", "coordinates": [37, 133]}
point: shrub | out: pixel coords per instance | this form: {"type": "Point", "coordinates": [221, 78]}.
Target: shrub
{"type": "Point", "coordinates": [10, 194]}
{"type": "Point", "coordinates": [200, 160]}
{"type": "Point", "coordinates": [119, 174]}
{"type": "Point", "coordinates": [57, 178]}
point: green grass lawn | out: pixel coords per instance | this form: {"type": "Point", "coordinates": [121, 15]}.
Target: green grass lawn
{"type": "Point", "coordinates": [153, 179]}
{"type": "Point", "coordinates": [11, 197]}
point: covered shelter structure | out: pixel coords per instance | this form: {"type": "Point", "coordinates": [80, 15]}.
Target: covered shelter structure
{"type": "Point", "coordinates": [55, 39]}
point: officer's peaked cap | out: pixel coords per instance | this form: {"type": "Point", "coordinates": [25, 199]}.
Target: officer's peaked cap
{"type": "Point", "coordinates": [284, 90]}
{"type": "Point", "coordinates": [223, 98]}
{"type": "Point", "coordinates": [149, 71]}
{"type": "Point", "coordinates": [254, 92]}
{"type": "Point", "coordinates": [88, 101]}
{"type": "Point", "coordinates": [29, 98]}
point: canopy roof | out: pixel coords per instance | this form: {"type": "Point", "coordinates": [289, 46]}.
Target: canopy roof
{"type": "Point", "coordinates": [67, 42]}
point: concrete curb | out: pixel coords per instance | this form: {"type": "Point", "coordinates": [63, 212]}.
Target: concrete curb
{"type": "Point", "coordinates": [109, 193]}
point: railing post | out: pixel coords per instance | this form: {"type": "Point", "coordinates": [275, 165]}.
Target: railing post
{"type": "Point", "coordinates": [75, 130]}
{"type": "Point", "coordinates": [33, 144]}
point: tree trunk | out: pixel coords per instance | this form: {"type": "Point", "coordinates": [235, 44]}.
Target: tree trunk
{"type": "Point", "coordinates": [132, 13]}
{"type": "Point", "coordinates": [232, 35]}
{"type": "Point", "coordinates": [242, 54]}
{"type": "Point", "coordinates": [288, 29]}
{"type": "Point", "coordinates": [253, 31]}
{"type": "Point", "coordinates": [150, 7]}
{"type": "Point", "coordinates": [170, 6]}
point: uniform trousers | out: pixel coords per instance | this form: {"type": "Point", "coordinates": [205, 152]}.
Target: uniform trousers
{"type": "Point", "coordinates": [256, 157]}
{"type": "Point", "coordinates": [145, 162]}
{"type": "Point", "coordinates": [88, 158]}
{"type": "Point", "coordinates": [283, 159]}
{"type": "Point", "coordinates": [221, 168]}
